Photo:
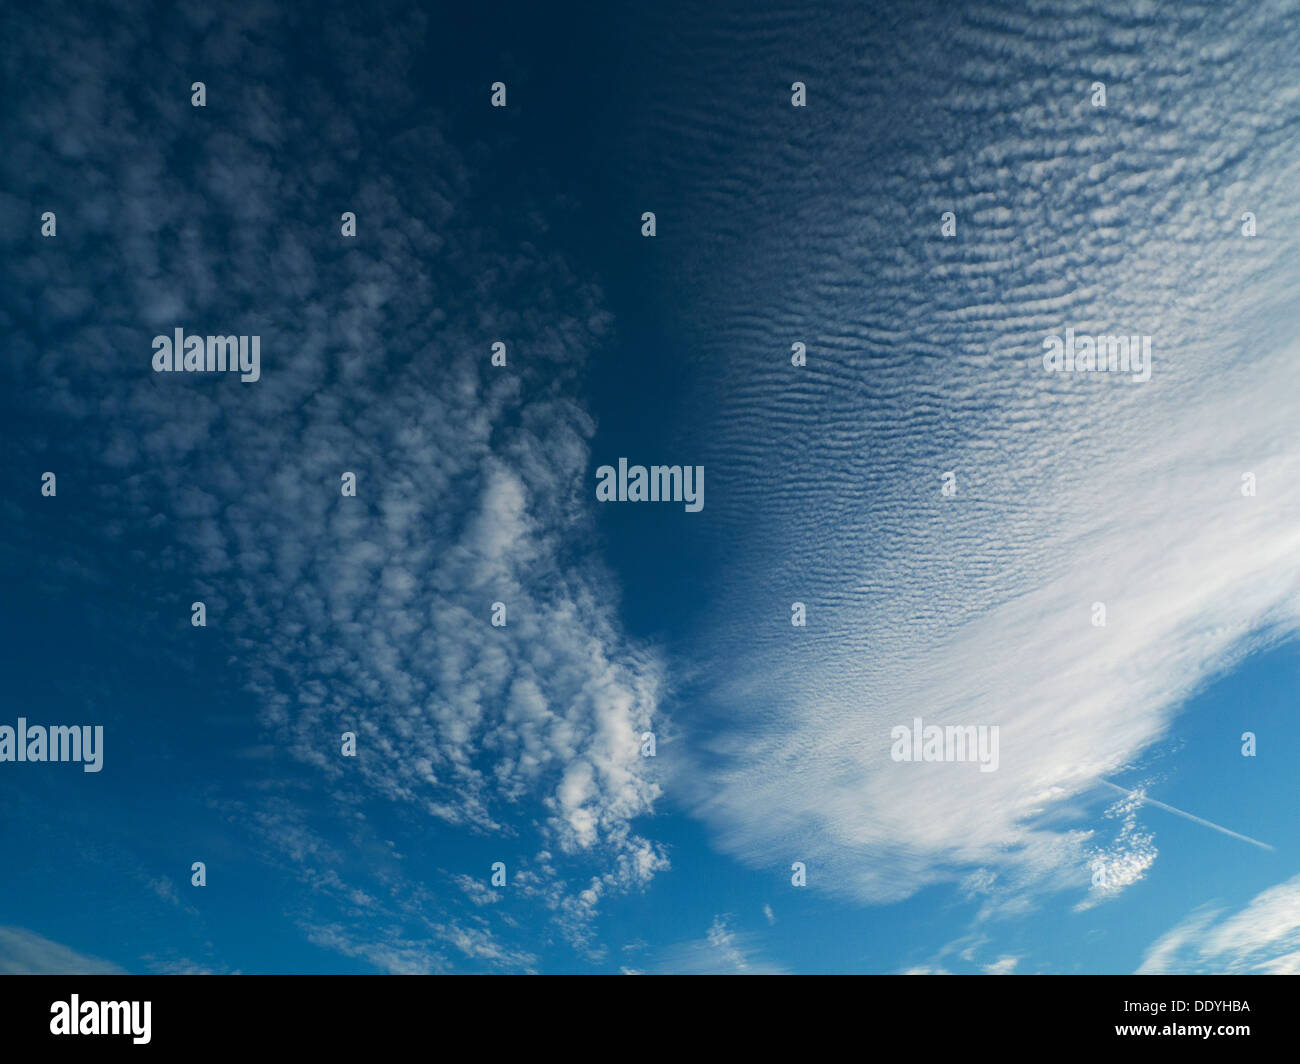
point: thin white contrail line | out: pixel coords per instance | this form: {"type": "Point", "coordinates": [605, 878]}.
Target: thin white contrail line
{"type": "Point", "coordinates": [1187, 816]}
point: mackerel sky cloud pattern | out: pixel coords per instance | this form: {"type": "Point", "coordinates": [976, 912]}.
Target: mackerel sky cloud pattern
{"type": "Point", "coordinates": [948, 513]}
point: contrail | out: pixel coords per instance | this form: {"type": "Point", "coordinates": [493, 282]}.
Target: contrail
{"type": "Point", "coordinates": [1187, 816]}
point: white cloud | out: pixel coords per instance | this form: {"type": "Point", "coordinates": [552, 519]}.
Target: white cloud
{"type": "Point", "coordinates": [477, 890]}
{"type": "Point", "coordinates": [924, 357]}
{"type": "Point", "coordinates": [24, 952]}
{"type": "Point", "coordinates": [722, 951]}
{"type": "Point", "coordinates": [369, 614]}
{"type": "Point", "coordinates": [1126, 860]}
{"type": "Point", "coordinates": [1264, 937]}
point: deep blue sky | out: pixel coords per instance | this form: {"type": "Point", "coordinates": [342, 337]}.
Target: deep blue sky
{"type": "Point", "coordinates": [476, 484]}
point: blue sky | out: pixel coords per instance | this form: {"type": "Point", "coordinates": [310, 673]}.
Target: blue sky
{"type": "Point", "coordinates": [475, 484]}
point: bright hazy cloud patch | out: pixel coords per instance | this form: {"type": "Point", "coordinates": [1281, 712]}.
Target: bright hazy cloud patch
{"type": "Point", "coordinates": [1263, 937]}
